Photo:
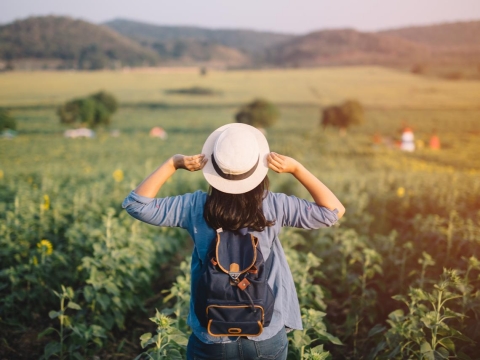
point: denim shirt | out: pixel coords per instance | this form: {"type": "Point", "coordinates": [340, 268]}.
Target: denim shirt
{"type": "Point", "coordinates": [186, 211]}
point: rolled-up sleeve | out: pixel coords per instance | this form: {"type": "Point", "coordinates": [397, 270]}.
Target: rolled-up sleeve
{"type": "Point", "coordinates": [300, 213]}
{"type": "Point", "coordinates": [171, 211]}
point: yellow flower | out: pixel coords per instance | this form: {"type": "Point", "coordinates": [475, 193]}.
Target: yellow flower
{"type": "Point", "coordinates": [118, 175]}
{"type": "Point", "coordinates": [1, 174]}
{"type": "Point", "coordinates": [35, 261]}
{"type": "Point", "coordinates": [45, 246]}
{"type": "Point", "coordinates": [46, 202]}
{"type": "Point", "coordinates": [401, 192]}
{"type": "Point", "coordinates": [88, 169]}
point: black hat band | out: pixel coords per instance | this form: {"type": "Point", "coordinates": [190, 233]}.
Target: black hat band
{"type": "Point", "coordinates": [232, 176]}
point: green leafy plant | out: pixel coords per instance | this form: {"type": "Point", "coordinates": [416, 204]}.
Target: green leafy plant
{"type": "Point", "coordinates": [307, 343]}
{"type": "Point", "coordinates": [304, 343]}
{"type": "Point", "coordinates": [180, 292]}
{"type": "Point", "coordinates": [168, 342]}
{"type": "Point", "coordinates": [66, 302]}
{"type": "Point", "coordinates": [428, 330]}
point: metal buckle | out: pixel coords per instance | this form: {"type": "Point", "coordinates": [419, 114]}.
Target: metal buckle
{"type": "Point", "coordinates": [234, 276]}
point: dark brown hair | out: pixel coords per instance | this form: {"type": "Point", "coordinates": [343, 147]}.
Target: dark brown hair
{"type": "Point", "coordinates": [236, 211]}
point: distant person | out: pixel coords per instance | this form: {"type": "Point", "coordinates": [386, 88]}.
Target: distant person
{"type": "Point", "coordinates": [407, 140]}
{"type": "Point", "coordinates": [235, 160]}
{"type": "Point", "coordinates": [434, 142]}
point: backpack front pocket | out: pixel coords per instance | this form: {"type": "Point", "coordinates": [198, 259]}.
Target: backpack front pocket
{"type": "Point", "coordinates": [235, 320]}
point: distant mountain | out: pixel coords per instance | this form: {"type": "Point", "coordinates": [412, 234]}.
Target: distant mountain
{"type": "Point", "coordinates": [345, 47]}
{"type": "Point", "coordinates": [252, 43]}
{"type": "Point", "coordinates": [71, 43]}
{"type": "Point", "coordinates": [464, 34]}
{"type": "Point", "coordinates": [457, 42]}
{"type": "Point", "coordinates": [198, 52]}
{"type": "Point", "coordinates": [443, 44]}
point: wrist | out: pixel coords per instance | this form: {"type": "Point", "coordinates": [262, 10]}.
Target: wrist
{"type": "Point", "coordinates": [177, 161]}
{"type": "Point", "coordinates": [296, 168]}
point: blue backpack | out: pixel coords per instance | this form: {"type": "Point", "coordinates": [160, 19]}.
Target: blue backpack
{"type": "Point", "coordinates": [233, 297]}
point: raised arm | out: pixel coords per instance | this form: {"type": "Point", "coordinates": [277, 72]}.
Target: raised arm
{"type": "Point", "coordinates": [153, 182]}
{"type": "Point", "coordinates": [321, 194]}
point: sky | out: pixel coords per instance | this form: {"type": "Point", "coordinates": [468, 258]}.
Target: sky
{"type": "Point", "coordinates": [286, 16]}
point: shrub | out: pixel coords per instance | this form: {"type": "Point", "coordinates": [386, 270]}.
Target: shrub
{"type": "Point", "coordinates": [7, 121]}
{"type": "Point", "coordinates": [91, 111]}
{"type": "Point", "coordinates": [259, 113]}
{"type": "Point", "coordinates": [107, 99]}
{"type": "Point", "coordinates": [343, 116]}
{"type": "Point", "coordinates": [194, 90]}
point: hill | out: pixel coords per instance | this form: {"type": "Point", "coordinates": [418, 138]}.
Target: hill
{"type": "Point", "coordinates": [346, 47]}
{"type": "Point", "coordinates": [70, 43]}
{"type": "Point", "coordinates": [62, 42]}
{"type": "Point", "coordinates": [448, 35]}
{"type": "Point", "coordinates": [190, 52]}
{"type": "Point", "coordinates": [249, 42]}
{"type": "Point", "coordinates": [447, 44]}
{"type": "Point", "coordinates": [457, 42]}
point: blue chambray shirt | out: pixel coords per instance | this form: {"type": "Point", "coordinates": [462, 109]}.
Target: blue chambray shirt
{"type": "Point", "coordinates": [186, 211]}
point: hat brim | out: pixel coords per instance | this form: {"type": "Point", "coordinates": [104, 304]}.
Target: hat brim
{"type": "Point", "coordinates": [235, 186]}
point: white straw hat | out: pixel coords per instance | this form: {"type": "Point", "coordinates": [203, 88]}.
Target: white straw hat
{"type": "Point", "coordinates": [237, 158]}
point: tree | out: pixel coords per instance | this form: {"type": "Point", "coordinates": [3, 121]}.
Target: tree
{"type": "Point", "coordinates": [91, 111]}
{"type": "Point", "coordinates": [7, 121]}
{"type": "Point", "coordinates": [107, 99]}
{"type": "Point", "coordinates": [259, 113]}
{"type": "Point", "coordinates": [343, 116]}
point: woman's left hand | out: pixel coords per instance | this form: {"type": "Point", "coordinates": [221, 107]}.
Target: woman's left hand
{"type": "Point", "coordinates": [190, 163]}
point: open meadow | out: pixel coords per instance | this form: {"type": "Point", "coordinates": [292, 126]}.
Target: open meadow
{"type": "Point", "coordinates": [398, 278]}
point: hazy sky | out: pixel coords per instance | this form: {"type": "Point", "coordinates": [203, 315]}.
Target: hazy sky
{"type": "Point", "coordinates": [297, 16]}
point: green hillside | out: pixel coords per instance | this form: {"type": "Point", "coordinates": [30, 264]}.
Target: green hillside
{"type": "Point", "coordinates": [190, 52]}
{"type": "Point", "coordinates": [247, 41]}
{"type": "Point", "coordinates": [70, 43]}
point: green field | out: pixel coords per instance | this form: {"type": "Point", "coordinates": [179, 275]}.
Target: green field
{"type": "Point", "coordinates": [409, 215]}
{"type": "Point", "coordinates": [373, 86]}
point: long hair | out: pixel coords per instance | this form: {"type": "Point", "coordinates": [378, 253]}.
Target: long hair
{"type": "Point", "coordinates": [236, 211]}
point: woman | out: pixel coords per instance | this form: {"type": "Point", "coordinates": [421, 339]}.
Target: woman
{"type": "Point", "coordinates": [235, 160]}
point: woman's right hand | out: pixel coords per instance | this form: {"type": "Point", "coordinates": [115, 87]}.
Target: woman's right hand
{"type": "Point", "coordinates": [190, 163]}
{"type": "Point", "coordinates": [281, 163]}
